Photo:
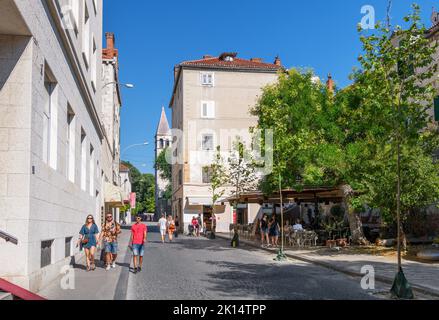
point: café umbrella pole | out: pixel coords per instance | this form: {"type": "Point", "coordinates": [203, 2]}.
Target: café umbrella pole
{"type": "Point", "coordinates": [281, 255]}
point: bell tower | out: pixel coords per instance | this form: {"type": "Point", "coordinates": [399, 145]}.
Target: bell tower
{"type": "Point", "coordinates": [163, 140]}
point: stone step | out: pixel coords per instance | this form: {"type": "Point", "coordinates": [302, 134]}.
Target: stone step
{"type": "Point", "coordinates": [6, 296]}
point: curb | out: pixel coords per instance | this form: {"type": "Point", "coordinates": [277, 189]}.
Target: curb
{"type": "Point", "coordinates": [418, 288]}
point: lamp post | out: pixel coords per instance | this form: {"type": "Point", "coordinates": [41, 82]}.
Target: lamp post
{"type": "Point", "coordinates": [126, 85]}
{"type": "Point", "coordinates": [132, 146]}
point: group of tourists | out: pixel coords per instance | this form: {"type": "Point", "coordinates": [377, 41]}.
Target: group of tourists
{"type": "Point", "coordinates": [271, 231]}
{"type": "Point", "coordinates": [168, 226]}
{"type": "Point", "coordinates": [90, 239]}
{"type": "Point", "coordinates": [196, 226]}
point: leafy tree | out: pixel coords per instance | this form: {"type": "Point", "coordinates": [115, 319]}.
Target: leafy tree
{"type": "Point", "coordinates": [241, 169]}
{"type": "Point", "coordinates": [395, 94]}
{"type": "Point", "coordinates": [144, 187]}
{"type": "Point", "coordinates": [165, 170]}
{"type": "Point", "coordinates": [218, 180]}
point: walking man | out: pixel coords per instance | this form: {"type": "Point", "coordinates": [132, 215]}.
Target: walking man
{"type": "Point", "coordinates": [163, 225]}
{"type": "Point", "coordinates": [139, 237]}
{"type": "Point", "coordinates": [110, 231]}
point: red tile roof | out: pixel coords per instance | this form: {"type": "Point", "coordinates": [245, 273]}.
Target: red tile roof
{"type": "Point", "coordinates": [123, 168]}
{"type": "Point", "coordinates": [236, 63]}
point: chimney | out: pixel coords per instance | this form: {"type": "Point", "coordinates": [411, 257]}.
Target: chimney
{"type": "Point", "coordinates": [110, 52]}
{"type": "Point", "coordinates": [277, 61]}
{"type": "Point", "coordinates": [207, 56]}
{"type": "Point", "coordinates": [330, 84]}
{"type": "Point", "coordinates": [259, 60]}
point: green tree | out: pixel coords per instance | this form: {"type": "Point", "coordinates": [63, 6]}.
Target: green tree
{"type": "Point", "coordinates": [394, 93]}
{"type": "Point", "coordinates": [218, 180]}
{"type": "Point", "coordinates": [144, 187]}
{"type": "Point", "coordinates": [241, 170]}
{"type": "Point", "coordinates": [165, 170]}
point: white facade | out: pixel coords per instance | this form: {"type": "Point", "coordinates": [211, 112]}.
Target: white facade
{"type": "Point", "coordinates": [50, 133]}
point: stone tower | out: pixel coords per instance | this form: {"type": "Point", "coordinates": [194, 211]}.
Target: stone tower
{"type": "Point", "coordinates": [163, 140]}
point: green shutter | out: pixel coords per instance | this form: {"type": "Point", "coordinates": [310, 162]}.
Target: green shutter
{"type": "Point", "coordinates": [436, 108]}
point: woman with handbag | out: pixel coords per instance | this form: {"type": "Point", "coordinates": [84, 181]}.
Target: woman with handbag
{"type": "Point", "coordinates": [88, 240]}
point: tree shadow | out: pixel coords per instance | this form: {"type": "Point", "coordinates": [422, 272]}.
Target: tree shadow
{"type": "Point", "coordinates": [284, 281]}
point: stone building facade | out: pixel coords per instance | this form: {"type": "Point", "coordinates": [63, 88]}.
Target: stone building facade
{"type": "Point", "coordinates": [211, 104]}
{"type": "Point", "coordinates": [50, 133]}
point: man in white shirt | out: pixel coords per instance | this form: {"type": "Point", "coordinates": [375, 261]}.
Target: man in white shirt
{"type": "Point", "coordinates": [163, 226]}
{"type": "Point", "coordinates": [298, 226]}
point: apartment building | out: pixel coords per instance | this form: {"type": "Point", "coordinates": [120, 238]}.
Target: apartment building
{"type": "Point", "coordinates": [50, 133]}
{"type": "Point", "coordinates": [210, 105]}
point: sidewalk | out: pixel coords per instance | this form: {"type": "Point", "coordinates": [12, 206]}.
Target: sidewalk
{"type": "Point", "coordinates": [99, 284]}
{"type": "Point", "coordinates": [423, 277]}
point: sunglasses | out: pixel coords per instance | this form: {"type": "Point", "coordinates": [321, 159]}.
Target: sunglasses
{"type": "Point", "coordinates": [90, 218]}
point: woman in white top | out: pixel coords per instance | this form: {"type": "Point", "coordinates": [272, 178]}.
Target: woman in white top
{"type": "Point", "coordinates": [163, 224]}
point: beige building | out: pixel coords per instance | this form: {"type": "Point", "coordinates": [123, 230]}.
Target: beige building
{"type": "Point", "coordinates": [50, 133]}
{"type": "Point", "coordinates": [210, 107]}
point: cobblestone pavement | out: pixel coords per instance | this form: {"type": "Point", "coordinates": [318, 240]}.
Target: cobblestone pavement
{"type": "Point", "coordinates": [193, 269]}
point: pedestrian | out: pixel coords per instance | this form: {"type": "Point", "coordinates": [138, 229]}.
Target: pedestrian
{"type": "Point", "coordinates": [88, 240]}
{"type": "Point", "coordinates": [139, 237]}
{"type": "Point", "coordinates": [163, 225]}
{"type": "Point", "coordinates": [110, 231]}
{"type": "Point", "coordinates": [263, 223]}
{"type": "Point", "coordinates": [274, 231]}
{"type": "Point", "coordinates": [177, 226]}
{"type": "Point", "coordinates": [200, 225]}
{"type": "Point", "coordinates": [171, 228]}
{"type": "Point", "coordinates": [195, 226]}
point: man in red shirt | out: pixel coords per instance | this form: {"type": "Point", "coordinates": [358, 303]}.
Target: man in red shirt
{"type": "Point", "coordinates": [138, 240]}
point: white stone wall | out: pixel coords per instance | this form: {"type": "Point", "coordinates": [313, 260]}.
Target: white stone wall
{"type": "Point", "coordinates": [37, 201]}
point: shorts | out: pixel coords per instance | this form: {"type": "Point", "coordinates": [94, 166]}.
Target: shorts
{"type": "Point", "coordinates": [163, 232]}
{"type": "Point", "coordinates": [138, 250]}
{"type": "Point", "coordinates": [111, 247]}
{"type": "Point", "coordinates": [264, 230]}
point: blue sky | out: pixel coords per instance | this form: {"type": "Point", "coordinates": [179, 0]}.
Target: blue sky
{"type": "Point", "coordinates": [153, 36]}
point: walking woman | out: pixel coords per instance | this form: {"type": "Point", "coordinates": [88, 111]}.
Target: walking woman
{"type": "Point", "coordinates": [88, 240]}
{"type": "Point", "coordinates": [264, 231]}
{"type": "Point", "coordinates": [274, 231]}
{"type": "Point", "coordinates": [171, 228]}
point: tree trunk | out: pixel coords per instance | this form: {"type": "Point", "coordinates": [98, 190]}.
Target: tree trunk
{"type": "Point", "coordinates": [355, 224]}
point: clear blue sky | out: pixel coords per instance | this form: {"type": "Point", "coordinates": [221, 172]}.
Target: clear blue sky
{"type": "Point", "coordinates": [153, 36]}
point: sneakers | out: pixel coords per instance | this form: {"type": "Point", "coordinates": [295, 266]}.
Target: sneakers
{"type": "Point", "coordinates": [108, 267]}
{"type": "Point", "coordinates": [113, 265]}
{"type": "Point", "coordinates": [139, 269]}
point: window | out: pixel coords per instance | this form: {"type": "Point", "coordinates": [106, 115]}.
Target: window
{"type": "Point", "coordinates": [207, 79]}
{"type": "Point", "coordinates": [208, 109]}
{"type": "Point", "coordinates": [50, 120]}
{"type": "Point", "coordinates": [83, 160]}
{"type": "Point", "coordinates": [207, 142]}
{"type": "Point", "coordinates": [71, 144]}
{"type": "Point", "coordinates": [436, 108]}
{"type": "Point", "coordinates": [95, 6]}
{"type": "Point", "coordinates": [74, 14]}
{"type": "Point", "coordinates": [207, 175]}
{"type": "Point", "coordinates": [46, 253]}
{"type": "Point", "coordinates": [68, 247]}
{"type": "Point", "coordinates": [93, 65]}
{"type": "Point", "coordinates": [161, 144]}
{"type": "Point", "coordinates": [92, 171]}
{"type": "Point", "coordinates": [86, 36]}
{"type": "Point", "coordinates": [180, 177]}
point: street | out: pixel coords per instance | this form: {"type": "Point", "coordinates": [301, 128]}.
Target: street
{"type": "Point", "coordinates": [202, 269]}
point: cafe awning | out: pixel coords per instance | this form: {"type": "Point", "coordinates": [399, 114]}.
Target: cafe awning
{"type": "Point", "coordinates": [113, 195]}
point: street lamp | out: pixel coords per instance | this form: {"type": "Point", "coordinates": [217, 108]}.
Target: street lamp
{"type": "Point", "coordinates": [126, 85]}
{"type": "Point", "coordinates": [134, 145]}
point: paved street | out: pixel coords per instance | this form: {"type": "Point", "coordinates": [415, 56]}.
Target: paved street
{"type": "Point", "coordinates": [205, 269]}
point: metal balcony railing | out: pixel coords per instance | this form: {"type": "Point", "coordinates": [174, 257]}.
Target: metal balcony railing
{"type": "Point", "coordinates": [8, 237]}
